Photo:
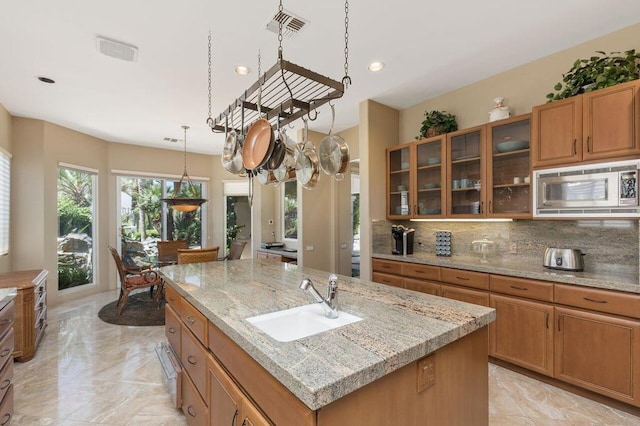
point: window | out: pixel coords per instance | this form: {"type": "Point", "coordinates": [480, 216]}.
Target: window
{"type": "Point", "coordinates": [145, 219]}
{"type": "Point", "coordinates": [290, 211]}
{"type": "Point", "coordinates": [76, 220]}
{"type": "Point", "coordinates": [5, 189]}
{"type": "Point", "coordinates": [237, 212]}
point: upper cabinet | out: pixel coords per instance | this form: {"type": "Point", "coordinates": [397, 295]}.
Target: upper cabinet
{"type": "Point", "coordinates": [465, 172]}
{"type": "Point", "coordinates": [596, 125]}
{"type": "Point", "coordinates": [400, 181]}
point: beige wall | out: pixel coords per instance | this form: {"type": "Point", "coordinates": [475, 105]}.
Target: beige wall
{"type": "Point", "coordinates": [5, 143]}
{"type": "Point", "coordinates": [522, 87]}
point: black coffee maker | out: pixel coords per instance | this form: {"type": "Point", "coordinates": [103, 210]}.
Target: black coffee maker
{"type": "Point", "coordinates": [402, 239]}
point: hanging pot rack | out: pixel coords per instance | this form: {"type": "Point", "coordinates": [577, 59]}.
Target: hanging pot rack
{"type": "Point", "coordinates": [289, 92]}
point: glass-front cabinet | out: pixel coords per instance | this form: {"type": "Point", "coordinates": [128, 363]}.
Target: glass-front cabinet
{"type": "Point", "coordinates": [508, 166]}
{"type": "Point", "coordinates": [399, 182]}
{"type": "Point", "coordinates": [466, 167]}
{"type": "Point", "coordinates": [430, 175]}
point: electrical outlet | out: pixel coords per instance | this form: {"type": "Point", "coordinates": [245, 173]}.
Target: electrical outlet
{"type": "Point", "coordinates": [426, 376]}
{"type": "Point", "coordinates": [343, 245]}
{"type": "Point", "coordinates": [309, 248]}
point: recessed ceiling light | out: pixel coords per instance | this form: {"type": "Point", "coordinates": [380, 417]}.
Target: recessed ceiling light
{"type": "Point", "coordinates": [46, 80]}
{"type": "Point", "coordinates": [376, 66]}
{"type": "Point", "coordinates": [242, 70]}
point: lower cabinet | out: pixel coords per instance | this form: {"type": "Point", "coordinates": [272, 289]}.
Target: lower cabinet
{"type": "Point", "coordinates": [476, 297]}
{"type": "Point", "coordinates": [193, 406]}
{"type": "Point", "coordinates": [224, 396]}
{"type": "Point", "coordinates": [598, 352]}
{"type": "Point", "coordinates": [522, 333]}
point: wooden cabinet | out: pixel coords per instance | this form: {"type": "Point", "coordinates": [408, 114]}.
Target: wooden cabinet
{"type": "Point", "coordinates": [522, 333]}
{"type": "Point", "coordinates": [30, 309]}
{"type": "Point", "coordinates": [7, 334]}
{"type": "Point", "coordinates": [193, 406]}
{"type": "Point", "coordinates": [465, 295]}
{"type": "Point", "coordinates": [224, 396]}
{"type": "Point", "coordinates": [597, 125]}
{"type": "Point", "coordinates": [400, 179]}
{"type": "Point", "coordinates": [508, 164]}
{"type": "Point", "coordinates": [251, 416]}
{"type": "Point", "coordinates": [598, 352]}
{"type": "Point", "coordinates": [466, 163]}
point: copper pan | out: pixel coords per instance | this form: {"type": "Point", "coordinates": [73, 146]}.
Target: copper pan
{"type": "Point", "coordinates": [258, 145]}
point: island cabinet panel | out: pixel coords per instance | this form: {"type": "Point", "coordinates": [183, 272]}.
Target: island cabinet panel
{"type": "Point", "coordinates": [598, 352]}
{"type": "Point", "coordinates": [465, 278]}
{"type": "Point", "coordinates": [174, 300]}
{"type": "Point", "coordinates": [276, 401]}
{"type": "Point", "coordinates": [193, 406]}
{"type": "Point", "coordinates": [460, 371]}
{"type": "Point", "coordinates": [251, 416]}
{"type": "Point", "coordinates": [465, 295]}
{"type": "Point", "coordinates": [172, 328]}
{"type": "Point", "coordinates": [195, 321]}
{"type": "Point", "coordinates": [224, 396]}
{"type": "Point", "coordinates": [30, 318]}
{"type": "Point", "coordinates": [194, 359]}
{"type": "Point", "coordinates": [522, 333]}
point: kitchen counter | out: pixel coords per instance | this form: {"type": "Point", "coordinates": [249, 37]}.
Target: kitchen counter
{"type": "Point", "coordinates": [398, 327]}
{"type": "Point", "coordinates": [280, 252]}
{"type": "Point", "coordinates": [621, 282]}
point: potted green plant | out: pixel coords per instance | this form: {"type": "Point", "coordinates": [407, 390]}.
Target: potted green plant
{"type": "Point", "coordinates": [597, 72]}
{"type": "Point", "coordinates": [436, 123]}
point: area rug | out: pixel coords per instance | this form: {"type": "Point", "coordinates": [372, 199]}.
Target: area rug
{"type": "Point", "coordinates": [140, 310]}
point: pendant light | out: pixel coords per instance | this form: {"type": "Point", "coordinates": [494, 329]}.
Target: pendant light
{"type": "Point", "coordinates": [184, 204]}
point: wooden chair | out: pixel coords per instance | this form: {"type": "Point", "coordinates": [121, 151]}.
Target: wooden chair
{"type": "Point", "coordinates": [197, 255]}
{"type": "Point", "coordinates": [168, 251]}
{"type": "Point", "coordinates": [235, 252]}
{"type": "Point", "coordinates": [134, 279]}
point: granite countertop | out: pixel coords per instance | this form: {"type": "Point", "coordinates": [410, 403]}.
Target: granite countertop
{"type": "Point", "coordinates": [398, 326]}
{"type": "Point", "coordinates": [605, 280]}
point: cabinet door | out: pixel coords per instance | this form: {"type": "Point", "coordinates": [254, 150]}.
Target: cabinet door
{"type": "Point", "coordinates": [465, 295]}
{"type": "Point", "coordinates": [598, 352]}
{"type": "Point", "coordinates": [400, 205]}
{"type": "Point", "coordinates": [430, 174]}
{"type": "Point", "coordinates": [508, 168]}
{"type": "Point", "coordinates": [522, 333]}
{"type": "Point", "coordinates": [251, 416]}
{"type": "Point", "coordinates": [611, 122]}
{"type": "Point", "coordinates": [224, 397]}
{"type": "Point", "coordinates": [556, 132]}
{"type": "Point", "coordinates": [262, 255]}
{"type": "Point", "coordinates": [466, 166]}
{"type": "Point", "coordinates": [173, 329]}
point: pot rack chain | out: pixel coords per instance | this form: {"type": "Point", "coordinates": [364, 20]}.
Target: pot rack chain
{"type": "Point", "coordinates": [346, 80]}
{"type": "Point", "coordinates": [209, 119]}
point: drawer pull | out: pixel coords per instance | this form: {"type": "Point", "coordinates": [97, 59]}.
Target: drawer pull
{"type": "Point", "coordinates": [6, 321]}
{"type": "Point", "coordinates": [5, 419]}
{"type": "Point", "coordinates": [191, 360]}
{"type": "Point", "coordinates": [191, 319]}
{"type": "Point", "coordinates": [386, 266]}
{"type": "Point", "coordinates": [190, 411]}
{"type": "Point", "coordinates": [462, 278]}
{"type": "Point", "coordinates": [418, 271]}
{"type": "Point", "coordinates": [171, 330]}
{"type": "Point", "coordinates": [594, 300]}
{"type": "Point", "coordinates": [5, 384]}
{"type": "Point", "coordinates": [386, 281]}
{"type": "Point", "coordinates": [519, 288]}
{"type": "Point", "coordinates": [235, 416]}
{"type": "Point", "coordinates": [5, 352]}
{"type": "Point", "coordinates": [546, 319]}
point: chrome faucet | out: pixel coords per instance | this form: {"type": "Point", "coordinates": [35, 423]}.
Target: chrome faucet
{"type": "Point", "coordinates": [330, 303]}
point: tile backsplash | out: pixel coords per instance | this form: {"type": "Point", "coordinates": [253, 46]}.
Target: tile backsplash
{"type": "Point", "coordinates": [610, 245]}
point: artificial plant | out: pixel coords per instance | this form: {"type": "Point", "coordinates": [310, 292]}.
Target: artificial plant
{"type": "Point", "coordinates": [436, 123]}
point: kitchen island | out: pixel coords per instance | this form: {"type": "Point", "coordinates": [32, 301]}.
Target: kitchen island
{"type": "Point", "coordinates": [413, 359]}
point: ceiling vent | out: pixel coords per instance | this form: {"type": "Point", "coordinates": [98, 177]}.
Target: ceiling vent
{"type": "Point", "coordinates": [291, 24]}
{"type": "Point", "coordinates": [116, 49]}
{"type": "Point", "coordinates": [172, 140]}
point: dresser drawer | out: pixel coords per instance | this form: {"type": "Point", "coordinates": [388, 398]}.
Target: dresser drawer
{"type": "Point", "coordinates": [537, 290]}
{"type": "Point", "coordinates": [6, 407]}
{"type": "Point", "coordinates": [194, 360]}
{"type": "Point", "coordinates": [172, 328]}
{"type": "Point", "coordinates": [425, 272]}
{"type": "Point", "coordinates": [611, 302]}
{"type": "Point", "coordinates": [196, 322]}
{"type": "Point", "coordinates": [387, 266]}
{"type": "Point", "coordinates": [174, 299]}
{"type": "Point", "coordinates": [6, 318]}
{"type": "Point", "coordinates": [391, 280]}
{"type": "Point", "coordinates": [6, 347]}
{"type": "Point", "coordinates": [6, 378]}
{"type": "Point", "coordinates": [193, 406]}
{"type": "Point", "coordinates": [465, 278]}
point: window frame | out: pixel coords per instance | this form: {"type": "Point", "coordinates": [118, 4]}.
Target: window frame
{"type": "Point", "coordinates": [5, 202]}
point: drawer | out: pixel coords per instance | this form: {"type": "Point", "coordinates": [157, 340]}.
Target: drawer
{"type": "Point", "coordinates": [423, 286]}
{"type": "Point", "coordinates": [6, 318]}
{"type": "Point", "coordinates": [465, 295]}
{"type": "Point", "coordinates": [40, 301]}
{"type": "Point", "coordinates": [196, 322]}
{"type": "Point", "coordinates": [174, 299]}
{"type": "Point", "coordinates": [6, 378]}
{"type": "Point", "coordinates": [40, 325]}
{"type": "Point", "coordinates": [530, 289]}
{"type": "Point", "coordinates": [40, 289]}
{"type": "Point", "coordinates": [425, 272]}
{"type": "Point", "coordinates": [611, 302]}
{"type": "Point", "coordinates": [194, 360]}
{"type": "Point", "coordinates": [465, 278]}
{"type": "Point", "coordinates": [6, 347]}
{"type": "Point", "coordinates": [6, 407]}
{"type": "Point", "coordinates": [391, 280]}
{"type": "Point", "coordinates": [193, 406]}
{"type": "Point", "coordinates": [172, 328]}
{"type": "Point", "coordinates": [387, 266]}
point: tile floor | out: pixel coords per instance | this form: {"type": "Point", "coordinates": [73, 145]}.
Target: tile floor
{"type": "Point", "coordinates": [88, 372]}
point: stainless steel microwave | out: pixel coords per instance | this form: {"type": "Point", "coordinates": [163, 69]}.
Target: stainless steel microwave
{"type": "Point", "coordinates": [589, 190]}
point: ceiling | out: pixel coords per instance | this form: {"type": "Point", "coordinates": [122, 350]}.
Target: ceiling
{"type": "Point", "coordinates": [429, 48]}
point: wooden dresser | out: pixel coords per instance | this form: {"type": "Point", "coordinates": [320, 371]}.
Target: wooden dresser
{"type": "Point", "coordinates": [7, 312]}
{"type": "Point", "coordinates": [30, 309]}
